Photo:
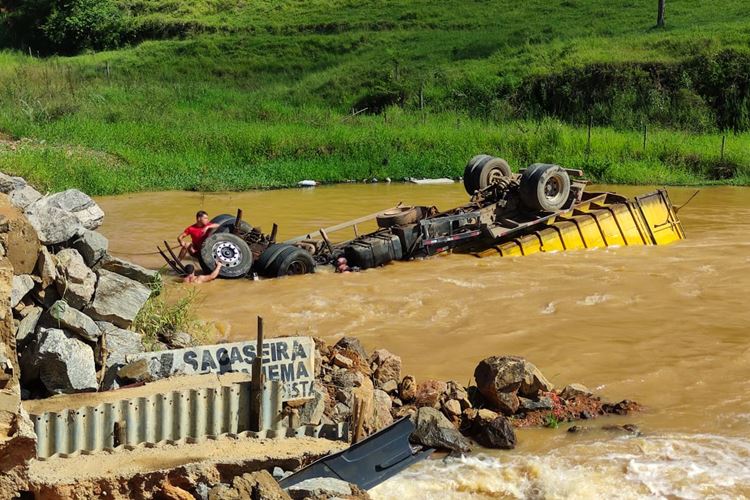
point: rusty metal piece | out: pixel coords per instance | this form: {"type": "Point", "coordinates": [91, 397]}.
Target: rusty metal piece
{"type": "Point", "coordinates": [172, 264]}
{"type": "Point", "coordinates": [176, 260]}
{"type": "Point", "coordinates": [237, 222]}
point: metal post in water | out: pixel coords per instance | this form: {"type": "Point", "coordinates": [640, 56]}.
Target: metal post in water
{"type": "Point", "coordinates": [256, 384]}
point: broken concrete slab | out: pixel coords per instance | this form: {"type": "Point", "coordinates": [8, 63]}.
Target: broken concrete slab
{"type": "Point", "coordinates": [74, 321]}
{"type": "Point", "coordinates": [117, 299]}
{"type": "Point", "coordinates": [75, 282]}
{"type": "Point", "coordinates": [92, 246]}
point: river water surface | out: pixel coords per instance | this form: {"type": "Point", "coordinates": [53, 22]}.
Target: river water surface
{"type": "Point", "coordinates": [665, 326]}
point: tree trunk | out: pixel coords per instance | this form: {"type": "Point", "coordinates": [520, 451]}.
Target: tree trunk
{"type": "Point", "coordinates": [660, 15]}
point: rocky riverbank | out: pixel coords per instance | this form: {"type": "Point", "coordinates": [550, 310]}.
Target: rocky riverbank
{"type": "Point", "coordinates": [509, 393]}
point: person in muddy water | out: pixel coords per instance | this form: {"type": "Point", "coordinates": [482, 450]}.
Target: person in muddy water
{"type": "Point", "coordinates": [201, 278]}
{"type": "Point", "coordinates": [198, 233]}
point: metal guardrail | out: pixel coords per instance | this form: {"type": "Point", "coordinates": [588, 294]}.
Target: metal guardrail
{"type": "Point", "coordinates": [188, 415]}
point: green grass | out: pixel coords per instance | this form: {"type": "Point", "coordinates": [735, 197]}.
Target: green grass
{"type": "Point", "coordinates": [259, 94]}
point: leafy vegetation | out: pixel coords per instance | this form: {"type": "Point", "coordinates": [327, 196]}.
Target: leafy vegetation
{"type": "Point", "coordinates": [234, 95]}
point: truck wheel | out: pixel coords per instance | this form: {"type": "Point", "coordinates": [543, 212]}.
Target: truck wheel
{"type": "Point", "coordinates": [293, 261]}
{"type": "Point", "coordinates": [468, 178]}
{"type": "Point", "coordinates": [398, 216]}
{"type": "Point", "coordinates": [490, 171]}
{"type": "Point", "coordinates": [230, 250]}
{"type": "Point", "coordinates": [221, 219]}
{"type": "Point", "coordinates": [544, 187]}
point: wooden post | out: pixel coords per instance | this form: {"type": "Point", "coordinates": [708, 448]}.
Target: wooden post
{"type": "Point", "coordinates": [645, 132]}
{"type": "Point", "coordinates": [256, 383]}
{"type": "Point", "coordinates": [660, 21]}
{"type": "Point", "coordinates": [723, 141]}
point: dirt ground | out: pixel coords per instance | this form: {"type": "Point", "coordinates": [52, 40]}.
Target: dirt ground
{"type": "Point", "coordinates": [140, 472]}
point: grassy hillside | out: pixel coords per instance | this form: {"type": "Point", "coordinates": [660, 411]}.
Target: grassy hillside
{"type": "Point", "coordinates": [228, 94]}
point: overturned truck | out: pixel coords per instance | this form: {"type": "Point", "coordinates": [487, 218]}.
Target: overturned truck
{"type": "Point", "coordinates": [542, 208]}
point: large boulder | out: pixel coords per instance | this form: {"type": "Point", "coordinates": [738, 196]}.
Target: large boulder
{"type": "Point", "coordinates": [495, 433]}
{"type": "Point", "coordinates": [79, 204]}
{"type": "Point", "coordinates": [501, 379]}
{"type": "Point", "coordinates": [92, 246]}
{"type": "Point", "coordinates": [436, 431]}
{"type": "Point", "coordinates": [117, 299]}
{"type": "Point", "coordinates": [65, 364]}
{"type": "Point", "coordinates": [21, 286]}
{"type": "Point", "coordinates": [74, 281]}
{"type": "Point", "coordinates": [74, 321]}
{"type": "Point", "coordinates": [117, 345]}
{"type": "Point", "coordinates": [385, 366]}
{"type": "Point", "coordinates": [53, 225]}
{"type": "Point", "coordinates": [351, 344]}
{"type": "Point", "coordinates": [130, 270]}
{"type": "Point", "coordinates": [24, 196]}
{"type": "Point", "coordinates": [255, 485]}
{"type": "Point", "coordinates": [429, 393]}
{"type": "Point", "coordinates": [10, 183]}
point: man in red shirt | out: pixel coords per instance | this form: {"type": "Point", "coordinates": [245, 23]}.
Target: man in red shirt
{"type": "Point", "coordinates": [198, 233]}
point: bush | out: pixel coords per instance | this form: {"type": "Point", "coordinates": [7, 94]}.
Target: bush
{"type": "Point", "coordinates": [75, 25]}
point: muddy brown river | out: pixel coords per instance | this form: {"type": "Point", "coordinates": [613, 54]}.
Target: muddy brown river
{"type": "Point", "coordinates": [665, 326]}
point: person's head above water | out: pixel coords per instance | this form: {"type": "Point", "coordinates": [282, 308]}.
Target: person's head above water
{"type": "Point", "coordinates": [201, 218]}
{"type": "Point", "coordinates": [190, 269]}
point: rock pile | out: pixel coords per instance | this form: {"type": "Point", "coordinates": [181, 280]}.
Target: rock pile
{"type": "Point", "coordinates": [72, 302]}
{"type": "Point", "coordinates": [510, 392]}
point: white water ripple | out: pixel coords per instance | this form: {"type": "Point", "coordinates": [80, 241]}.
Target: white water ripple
{"type": "Point", "coordinates": [669, 466]}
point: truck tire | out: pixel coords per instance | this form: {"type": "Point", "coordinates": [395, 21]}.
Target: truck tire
{"type": "Point", "coordinates": [468, 179]}
{"type": "Point", "coordinates": [226, 224]}
{"type": "Point", "coordinates": [229, 249]}
{"type": "Point", "coordinates": [489, 171]}
{"type": "Point", "coordinates": [398, 217]}
{"type": "Point", "coordinates": [292, 262]}
{"type": "Point", "coordinates": [544, 187]}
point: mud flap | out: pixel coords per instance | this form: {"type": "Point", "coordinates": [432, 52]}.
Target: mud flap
{"type": "Point", "coordinates": [369, 462]}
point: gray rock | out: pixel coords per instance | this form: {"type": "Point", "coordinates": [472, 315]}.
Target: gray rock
{"type": "Point", "coordinates": [320, 487]}
{"type": "Point", "coordinates": [66, 364]}
{"type": "Point", "coordinates": [312, 411]}
{"type": "Point", "coordinates": [24, 196]}
{"type": "Point", "coordinates": [543, 403]}
{"type": "Point", "coordinates": [497, 433]}
{"type": "Point", "coordinates": [381, 415]}
{"type": "Point", "coordinates": [46, 267]}
{"type": "Point", "coordinates": [74, 281]}
{"type": "Point", "coordinates": [501, 378]}
{"type": "Point", "coordinates": [9, 183]}
{"type": "Point", "coordinates": [74, 321]}
{"type": "Point", "coordinates": [130, 270]}
{"type": "Point", "coordinates": [141, 370]}
{"type": "Point", "coordinates": [80, 205]}
{"type": "Point", "coordinates": [53, 225]}
{"type": "Point", "coordinates": [118, 344]}
{"type": "Point", "coordinates": [436, 431]}
{"type": "Point", "coordinates": [27, 326]}
{"type": "Point", "coordinates": [352, 344]}
{"type": "Point", "coordinates": [386, 366]}
{"type": "Point", "coordinates": [572, 390]}
{"type": "Point", "coordinates": [21, 286]}
{"type": "Point", "coordinates": [92, 246]}
{"type": "Point", "coordinates": [117, 299]}
{"type": "Point", "coordinates": [179, 340]}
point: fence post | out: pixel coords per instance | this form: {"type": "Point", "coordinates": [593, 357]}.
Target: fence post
{"type": "Point", "coordinates": [723, 141]}
{"type": "Point", "coordinates": [256, 383]}
{"type": "Point", "coordinates": [645, 133]}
